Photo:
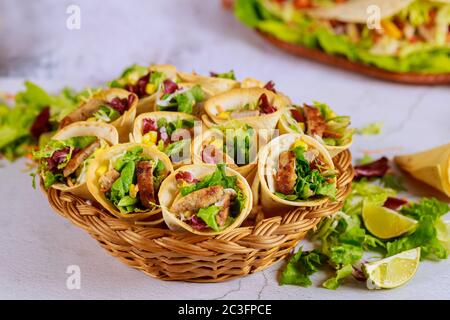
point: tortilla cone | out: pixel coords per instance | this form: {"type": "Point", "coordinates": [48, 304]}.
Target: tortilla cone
{"type": "Point", "coordinates": [283, 126]}
{"type": "Point", "coordinates": [169, 192]}
{"type": "Point", "coordinates": [123, 124]}
{"type": "Point", "coordinates": [103, 159]}
{"type": "Point", "coordinates": [170, 116]}
{"type": "Point", "coordinates": [218, 136]}
{"type": "Point", "coordinates": [101, 130]}
{"type": "Point", "coordinates": [268, 160]}
{"type": "Point", "coordinates": [236, 98]}
{"type": "Point", "coordinates": [430, 166]}
{"type": "Point", "coordinates": [147, 104]}
{"type": "Point", "coordinates": [211, 84]}
{"type": "Point", "coordinates": [357, 11]}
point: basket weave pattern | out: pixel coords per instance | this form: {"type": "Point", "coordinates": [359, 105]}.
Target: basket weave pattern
{"type": "Point", "coordinates": [170, 255]}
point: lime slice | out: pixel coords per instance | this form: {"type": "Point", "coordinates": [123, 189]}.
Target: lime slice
{"type": "Point", "coordinates": [392, 272]}
{"type": "Point", "coordinates": [385, 223]}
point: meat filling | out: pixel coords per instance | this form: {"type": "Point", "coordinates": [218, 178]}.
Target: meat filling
{"type": "Point", "coordinates": [286, 177]}
{"type": "Point", "coordinates": [144, 172]}
{"type": "Point", "coordinates": [79, 158]}
{"type": "Point", "coordinates": [107, 180]}
{"type": "Point", "coordinates": [315, 123]}
{"type": "Point", "coordinates": [196, 200]}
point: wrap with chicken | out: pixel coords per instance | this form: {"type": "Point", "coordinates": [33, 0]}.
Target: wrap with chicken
{"type": "Point", "coordinates": [63, 162]}
{"type": "Point", "coordinates": [113, 106]}
{"type": "Point", "coordinates": [234, 143]}
{"type": "Point", "coordinates": [125, 180]}
{"type": "Point", "coordinates": [205, 199]}
{"type": "Point", "coordinates": [320, 122]}
{"type": "Point", "coordinates": [295, 170]}
{"type": "Point", "coordinates": [259, 108]}
{"type": "Point", "coordinates": [171, 132]}
{"type": "Point", "coordinates": [145, 82]}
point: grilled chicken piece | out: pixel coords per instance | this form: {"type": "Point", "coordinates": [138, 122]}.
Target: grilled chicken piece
{"type": "Point", "coordinates": [80, 157]}
{"type": "Point", "coordinates": [315, 123]}
{"type": "Point", "coordinates": [107, 180]}
{"type": "Point", "coordinates": [198, 199]}
{"type": "Point", "coordinates": [144, 172]}
{"type": "Point", "coordinates": [286, 177]}
{"type": "Point", "coordinates": [222, 216]}
{"type": "Point", "coordinates": [82, 113]}
{"type": "Point", "coordinates": [244, 114]}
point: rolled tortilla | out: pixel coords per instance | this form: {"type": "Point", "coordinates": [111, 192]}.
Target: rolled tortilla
{"type": "Point", "coordinates": [169, 191]}
{"type": "Point", "coordinates": [216, 137]}
{"type": "Point", "coordinates": [237, 98]}
{"type": "Point", "coordinates": [147, 104]}
{"type": "Point", "coordinates": [211, 85]}
{"type": "Point", "coordinates": [104, 159]}
{"type": "Point", "coordinates": [103, 131]}
{"type": "Point", "coordinates": [430, 166]}
{"type": "Point", "coordinates": [170, 117]}
{"type": "Point", "coordinates": [286, 125]}
{"type": "Point", "coordinates": [358, 11]}
{"type": "Point", "coordinates": [268, 164]}
{"type": "Point", "coordinates": [123, 124]}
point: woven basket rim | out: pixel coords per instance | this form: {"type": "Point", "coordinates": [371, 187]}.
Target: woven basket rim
{"type": "Point", "coordinates": [175, 255]}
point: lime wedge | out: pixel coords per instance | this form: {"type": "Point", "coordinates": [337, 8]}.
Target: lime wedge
{"type": "Point", "coordinates": [392, 272]}
{"type": "Point", "coordinates": [385, 223]}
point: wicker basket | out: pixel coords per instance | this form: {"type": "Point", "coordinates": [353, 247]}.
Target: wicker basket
{"type": "Point", "coordinates": [169, 255]}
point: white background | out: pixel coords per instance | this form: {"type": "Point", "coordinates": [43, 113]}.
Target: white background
{"type": "Point", "coordinates": [37, 245]}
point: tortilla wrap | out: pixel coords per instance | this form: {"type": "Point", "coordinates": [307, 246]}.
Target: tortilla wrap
{"type": "Point", "coordinates": [268, 162]}
{"type": "Point", "coordinates": [357, 11]}
{"type": "Point", "coordinates": [103, 131]}
{"type": "Point", "coordinates": [169, 192]}
{"type": "Point", "coordinates": [284, 127]}
{"type": "Point", "coordinates": [170, 117]}
{"type": "Point", "coordinates": [123, 124]}
{"type": "Point", "coordinates": [237, 98]}
{"type": "Point", "coordinates": [147, 104]}
{"type": "Point", "coordinates": [212, 85]}
{"type": "Point", "coordinates": [103, 159]}
{"type": "Point", "coordinates": [430, 166]}
{"type": "Point", "coordinates": [216, 137]}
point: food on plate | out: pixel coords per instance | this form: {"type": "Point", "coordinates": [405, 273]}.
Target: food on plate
{"type": "Point", "coordinates": [171, 132]}
{"type": "Point", "coordinates": [257, 107]}
{"type": "Point", "coordinates": [113, 106]}
{"type": "Point", "coordinates": [295, 170]}
{"type": "Point", "coordinates": [125, 180]}
{"type": "Point", "coordinates": [64, 160]}
{"type": "Point", "coordinates": [320, 122]}
{"type": "Point", "coordinates": [406, 36]}
{"type": "Point", "coordinates": [205, 199]}
{"type": "Point", "coordinates": [430, 166]}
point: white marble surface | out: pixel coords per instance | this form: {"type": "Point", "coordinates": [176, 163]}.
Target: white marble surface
{"type": "Point", "coordinates": [38, 245]}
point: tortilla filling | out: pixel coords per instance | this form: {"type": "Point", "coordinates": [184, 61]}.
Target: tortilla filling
{"type": "Point", "coordinates": [210, 204]}
{"type": "Point", "coordinates": [302, 174]}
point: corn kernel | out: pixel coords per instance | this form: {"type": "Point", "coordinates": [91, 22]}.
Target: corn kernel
{"type": "Point", "coordinates": [133, 190]}
{"type": "Point", "coordinates": [223, 115]}
{"type": "Point", "coordinates": [300, 143]}
{"type": "Point", "coordinates": [101, 170]}
{"type": "Point", "coordinates": [391, 29]}
{"type": "Point", "coordinates": [92, 119]}
{"type": "Point", "coordinates": [150, 138]}
{"type": "Point", "coordinates": [150, 88]}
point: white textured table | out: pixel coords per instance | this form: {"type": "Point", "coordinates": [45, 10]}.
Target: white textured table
{"type": "Point", "coordinates": [37, 245]}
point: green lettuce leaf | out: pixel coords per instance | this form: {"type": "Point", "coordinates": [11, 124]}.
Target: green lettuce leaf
{"type": "Point", "coordinates": [300, 267]}
{"type": "Point", "coordinates": [208, 215]}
